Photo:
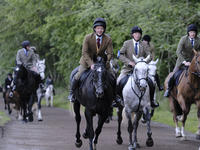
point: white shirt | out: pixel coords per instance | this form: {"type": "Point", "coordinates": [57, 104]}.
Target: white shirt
{"type": "Point", "coordinates": [99, 38]}
{"type": "Point", "coordinates": [137, 45]}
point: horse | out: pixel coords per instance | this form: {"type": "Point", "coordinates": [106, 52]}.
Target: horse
{"type": "Point", "coordinates": [26, 82]}
{"type": "Point", "coordinates": [40, 65]}
{"type": "Point", "coordinates": [184, 94]}
{"type": "Point", "coordinates": [49, 95]}
{"type": "Point", "coordinates": [136, 96]}
{"type": "Point", "coordinates": [14, 100]}
{"type": "Point", "coordinates": [96, 95]}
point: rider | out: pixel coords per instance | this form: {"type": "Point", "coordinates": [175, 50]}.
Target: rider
{"type": "Point", "coordinates": [141, 49]}
{"type": "Point", "coordinates": [185, 53]}
{"type": "Point", "coordinates": [94, 43]}
{"type": "Point", "coordinates": [147, 39]}
{"type": "Point", "coordinates": [27, 57]}
{"type": "Point", "coordinates": [8, 81]}
{"type": "Point", "coordinates": [37, 57]}
{"type": "Point", "coordinates": [48, 82]}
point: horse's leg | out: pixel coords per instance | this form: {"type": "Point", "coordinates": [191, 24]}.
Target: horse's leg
{"type": "Point", "coordinates": [30, 104]}
{"type": "Point", "coordinates": [47, 100]}
{"type": "Point", "coordinates": [149, 141]}
{"type": "Point", "coordinates": [52, 100]}
{"type": "Point", "coordinates": [119, 114]}
{"type": "Point", "coordinates": [39, 108]}
{"type": "Point", "coordinates": [101, 120]}
{"type": "Point", "coordinates": [198, 114]}
{"type": "Point", "coordinates": [90, 130]}
{"type": "Point", "coordinates": [24, 106]}
{"type": "Point", "coordinates": [78, 142]}
{"type": "Point", "coordinates": [9, 109]}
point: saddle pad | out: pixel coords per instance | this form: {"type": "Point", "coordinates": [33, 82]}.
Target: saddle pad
{"type": "Point", "coordinates": [177, 75]}
{"type": "Point", "coordinates": [122, 83]}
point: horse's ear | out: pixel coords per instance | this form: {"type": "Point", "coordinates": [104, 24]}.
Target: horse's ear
{"type": "Point", "coordinates": [94, 58]}
{"type": "Point", "coordinates": [147, 59]}
{"type": "Point", "coordinates": [135, 59]}
{"type": "Point", "coordinates": [156, 61]}
{"type": "Point", "coordinates": [195, 52]}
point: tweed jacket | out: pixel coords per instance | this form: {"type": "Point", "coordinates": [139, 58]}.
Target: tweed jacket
{"type": "Point", "coordinates": [152, 50]}
{"type": "Point", "coordinates": [185, 50]}
{"type": "Point", "coordinates": [128, 50]}
{"type": "Point", "coordinates": [37, 57]}
{"type": "Point", "coordinates": [28, 60]}
{"type": "Point", "coordinates": [90, 48]}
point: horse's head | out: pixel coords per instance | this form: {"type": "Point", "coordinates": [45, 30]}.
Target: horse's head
{"type": "Point", "coordinates": [100, 74]}
{"type": "Point", "coordinates": [40, 65]}
{"type": "Point", "coordinates": [140, 72]}
{"type": "Point", "coordinates": [19, 74]}
{"type": "Point", "coordinates": [152, 70]}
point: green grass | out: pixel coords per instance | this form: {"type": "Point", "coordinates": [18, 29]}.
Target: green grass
{"type": "Point", "coordinates": [3, 118]}
{"type": "Point", "coordinates": [162, 114]}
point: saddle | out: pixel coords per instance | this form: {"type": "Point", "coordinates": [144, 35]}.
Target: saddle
{"type": "Point", "coordinates": [36, 75]}
{"type": "Point", "coordinates": [177, 75]}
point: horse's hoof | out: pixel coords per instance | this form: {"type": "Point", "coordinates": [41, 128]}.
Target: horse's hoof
{"type": "Point", "coordinates": [85, 136]}
{"type": "Point", "coordinates": [78, 144]}
{"type": "Point", "coordinates": [30, 118]}
{"type": "Point", "coordinates": [119, 141]}
{"type": "Point", "coordinates": [178, 135]}
{"type": "Point", "coordinates": [143, 120]}
{"type": "Point", "coordinates": [107, 120]}
{"type": "Point", "coordinates": [10, 111]}
{"type": "Point", "coordinates": [149, 142]}
{"type": "Point", "coordinates": [197, 136]}
{"type": "Point", "coordinates": [136, 145]}
{"type": "Point", "coordinates": [131, 148]}
{"type": "Point", "coordinates": [40, 119]}
{"type": "Point", "coordinates": [24, 121]}
{"type": "Point", "coordinates": [183, 138]}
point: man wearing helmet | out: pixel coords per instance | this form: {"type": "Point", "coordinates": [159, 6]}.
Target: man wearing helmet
{"type": "Point", "coordinates": [27, 57]}
{"type": "Point", "coordinates": [147, 39]}
{"type": "Point", "coordinates": [8, 81]}
{"type": "Point", "coordinates": [137, 48]}
{"type": "Point", "coordinates": [94, 43]}
{"type": "Point", "coordinates": [185, 53]}
{"type": "Point", "coordinates": [33, 48]}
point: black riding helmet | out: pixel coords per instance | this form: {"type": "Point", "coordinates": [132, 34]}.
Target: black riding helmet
{"type": "Point", "coordinates": [25, 44]}
{"type": "Point", "coordinates": [192, 27]}
{"type": "Point", "coordinates": [10, 74]}
{"type": "Point", "coordinates": [136, 29]}
{"type": "Point", "coordinates": [146, 38]}
{"type": "Point", "coordinates": [99, 22]}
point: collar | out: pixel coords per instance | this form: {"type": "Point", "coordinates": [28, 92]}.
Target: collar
{"type": "Point", "coordinates": [191, 39]}
{"type": "Point", "coordinates": [135, 42]}
{"type": "Point", "coordinates": [99, 37]}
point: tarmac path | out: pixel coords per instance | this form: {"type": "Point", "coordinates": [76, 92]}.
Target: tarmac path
{"type": "Point", "coordinates": [58, 128]}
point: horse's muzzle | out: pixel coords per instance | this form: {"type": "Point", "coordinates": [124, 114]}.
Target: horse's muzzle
{"type": "Point", "coordinates": [99, 93]}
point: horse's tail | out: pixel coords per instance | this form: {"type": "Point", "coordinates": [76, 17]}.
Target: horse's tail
{"type": "Point", "coordinates": [124, 120]}
{"type": "Point", "coordinates": [71, 110]}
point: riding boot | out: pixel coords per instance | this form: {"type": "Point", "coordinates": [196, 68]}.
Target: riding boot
{"type": "Point", "coordinates": [170, 86]}
{"type": "Point", "coordinates": [158, 82]}
{"type": "Point", "coordinates": [117, 98]}
{"type": "Point", "coordinates": [152, 90]}
{"type": "Point", "coordinates": [71, 96]}
{"type": "Point", "coordinates": [54, 93]}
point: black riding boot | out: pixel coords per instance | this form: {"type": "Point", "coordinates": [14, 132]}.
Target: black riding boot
{"type": "Point", "coordinates": [170, 86]}
{"type": "Point", "coordinates": [74, 85]}
{"type": "Point", "coordinates": [117, 98]}
{"type": "Point", "coordinates": [152, 90]}
{"type": "Point", "coordinates": [54, 93]}
{"type": "Point", "coordinates": [158, 82]}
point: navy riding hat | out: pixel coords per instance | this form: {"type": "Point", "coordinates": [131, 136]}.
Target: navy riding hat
{"type": "Point", "coordinates": [25, 44]}
{"type": "Point", "coordinates": [136, 29]}
{"type": "Point", "coordinates": [99, 22]}
{"type": "Point", "coordinates": [146, 38]}
{"type": "Point", "coordinates": [192, 27]}
{"type": "Point", "coordinates": [10, 74]}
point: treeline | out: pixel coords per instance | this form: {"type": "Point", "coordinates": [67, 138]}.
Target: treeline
{"type": "Point", "coordinates": [57, 29]}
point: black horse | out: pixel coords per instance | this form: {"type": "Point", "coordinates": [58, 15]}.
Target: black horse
{"type": "Point", "coordinates": [96, 94]}
{"type": "Point", "coordinates": [26, 86]}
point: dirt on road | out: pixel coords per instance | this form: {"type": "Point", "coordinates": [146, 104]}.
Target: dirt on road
{"type": "Point", "coordinates": [58, 128]}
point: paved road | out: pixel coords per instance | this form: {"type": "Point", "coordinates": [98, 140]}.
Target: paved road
{"type": "Point", "coordinates": [57, 132]}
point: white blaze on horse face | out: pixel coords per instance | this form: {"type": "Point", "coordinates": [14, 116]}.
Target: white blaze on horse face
{"type": "Point", "coordinates": [17, 69]}
{"type": "Point", "coordinates": [99, 69]}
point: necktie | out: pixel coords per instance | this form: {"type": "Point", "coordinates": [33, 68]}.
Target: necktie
{"type": "Point", "coordinates": [26, 52]}
{"type": "Point", "coordinates": [136, 49]}
{"type": "Point", "coordinates": [98, 42]}
{"type": "Point", "coordinates": [192, 42]}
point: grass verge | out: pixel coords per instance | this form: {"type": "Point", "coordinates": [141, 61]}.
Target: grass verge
{"type": "Point", "coordinates": [3, 118]}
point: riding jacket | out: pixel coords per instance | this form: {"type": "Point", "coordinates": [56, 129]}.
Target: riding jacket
{"type": "Point", "coordinates": [8, 82]}
{"type": "Point", "coordinates": [29, 59]}
{"type": "Point", "coordinates": [185, 50]}
{"type": "Point", "coordinates": [128, 50]}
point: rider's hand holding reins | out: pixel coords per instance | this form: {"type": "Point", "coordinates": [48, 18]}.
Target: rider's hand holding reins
{"type": "Point", "coordinates": [92, 67]}
{"type": "Point", "coordinates": [187, 63]}
{"type": "Point", "coordinates": [132, 64]}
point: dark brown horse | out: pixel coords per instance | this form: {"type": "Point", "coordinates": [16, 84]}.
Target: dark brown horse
{"type": "Point", "coordinates": [96, 94]}
{"type": "Point", "coordinates": [27, 85]}
{"type": "Point", "coordinates": [186, 93]}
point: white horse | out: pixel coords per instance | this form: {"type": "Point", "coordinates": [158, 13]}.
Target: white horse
{"type": "Point", "coordinates": [49, 95]}
{"type": "Point", "coordinates": [40, 65]}
{"type": "Point", "coordinates": [136, 96]}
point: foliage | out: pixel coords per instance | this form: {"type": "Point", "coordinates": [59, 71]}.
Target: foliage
{"type": "Point", "coordinates": [57, 29]}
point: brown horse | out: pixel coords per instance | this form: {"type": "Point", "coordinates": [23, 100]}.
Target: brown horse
{"type": "Point", "coordinates": [186, 93]}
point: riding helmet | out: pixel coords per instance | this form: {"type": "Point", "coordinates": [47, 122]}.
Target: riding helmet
{"type": "Point", "coordinates": [10, 74]}
{"type": "Point", "coordinates": [25, 44]}
{"type": "Point", "coordinates": [33, 48]}
{"type": "Point", "coordinates": [99, 22]}
{"type": "Point", "coordinates": [136, 29]}
{"type": "Point", "coordinates": [192, 27]}
{"type": "Point", "coordinates": [146, 38]}
{"type": "Point", "coordinates": [49, 76]}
